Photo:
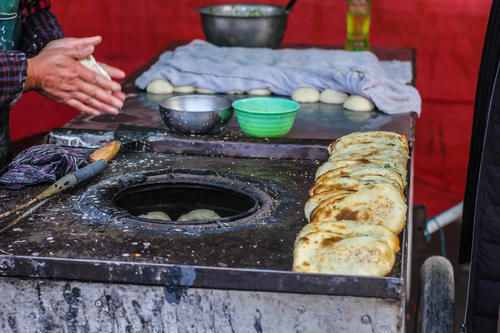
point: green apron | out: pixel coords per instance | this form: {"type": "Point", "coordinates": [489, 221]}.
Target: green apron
{"type": "Point", "coordinates": [10, 33]}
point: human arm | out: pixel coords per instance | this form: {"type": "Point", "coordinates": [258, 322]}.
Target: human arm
{"type": "Point", "coordinates": [39, 26]}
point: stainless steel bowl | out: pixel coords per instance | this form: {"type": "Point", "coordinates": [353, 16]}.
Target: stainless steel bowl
{"type": "Point", "coordinates": [244, 25]}
{"type": "Point", "coordinates": [196, 114]}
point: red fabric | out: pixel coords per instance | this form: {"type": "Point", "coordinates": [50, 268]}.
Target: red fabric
{"type": "Point", "coordinates": [447, 34]}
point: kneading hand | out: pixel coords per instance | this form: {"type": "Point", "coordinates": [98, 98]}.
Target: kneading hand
{"type": "Point", "coordinates": [56, 73]}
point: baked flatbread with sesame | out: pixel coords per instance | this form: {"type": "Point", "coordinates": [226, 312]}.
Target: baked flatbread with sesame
{"type": "Point", "coordinates": [345, 248]}
{"type": "Point", "coordinates": [391, 139]}
{"type": "Point", "coordinates": [386, 164]}
{"type": "Point", "coordinates": [354, 171]}
{"type": "Point", "coordinates": [379, 204]}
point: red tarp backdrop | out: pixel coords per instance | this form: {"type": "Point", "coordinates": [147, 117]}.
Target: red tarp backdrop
{"type": "Point", "coordinates": [447, 35]}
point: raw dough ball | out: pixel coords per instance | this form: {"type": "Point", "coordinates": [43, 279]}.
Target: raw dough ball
{"type": "Point", "coordinates": [259, 92]}
{"type": "Point", "coordinates": [305, 95]}
{"type": "Point", "coordinates": [156, 215]}
{"type": "Point", "coordinates": [235, 92]}
{"type": "Point", "coordinates": [184, 89]}
{"type": "Point", "coordinates": [204, 91]}
{"type": "Point", "coordinates": [159, 87]}
{"type": "Point", "coordinates": [199, 215]}
{"type": "Point", "coordinates": [331, 96]}
{"type": "Point", "coordinates": [358, 103]}
{"type": "Point", "coordinates": [91, 64]}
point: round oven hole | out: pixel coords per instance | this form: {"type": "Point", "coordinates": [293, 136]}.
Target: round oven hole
{"type": "Point", "coordinates": [177, 198]}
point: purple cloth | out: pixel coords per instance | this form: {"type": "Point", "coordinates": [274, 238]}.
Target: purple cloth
{"type": "Point", "coordinates": [43, 163]}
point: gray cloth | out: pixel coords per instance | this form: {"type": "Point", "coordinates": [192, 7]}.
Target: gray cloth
{"type": "Point", "coordinates": [223, 69]}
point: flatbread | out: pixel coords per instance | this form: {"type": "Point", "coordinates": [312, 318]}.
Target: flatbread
{"type": "Point", "coordinates": [379, 204]}
{"type": "Point", "coordinates": [346, 183]}
{"type": "Point", "coordinates": [326, 253]}
{"type": "Point", "coordinates": [334, 164]}
{"type": "Point", "coordinates": [360, 170]}
{"type": "Point", "coordinates": [349, 229]}
{"type": "Point", "coordinates": [316, 200]}
{"type": "Point", "coordinates": [370, 137]}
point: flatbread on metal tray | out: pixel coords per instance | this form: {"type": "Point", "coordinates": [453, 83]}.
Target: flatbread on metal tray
{"type": "Point", "coordinates": [334, 164]}
{"type": "Point", "coordinates": [354, 171]}
{"type": "Point", "coordinates": [367, 253]}
{"type": "Point", "coordinates": [348, 229]}
{"type": "Point", "coordinates": [379, 204]}
{"type": "Point", "coordinates": [366, 155]}
{"type": "Point", "coordinates": [372, 148]}
{"type": "Point", "coordinates": [316, 200]}
{"type": "Point", "coordinates": [390, 138]}
{"type": "Point", "coordinates": [347, 183]}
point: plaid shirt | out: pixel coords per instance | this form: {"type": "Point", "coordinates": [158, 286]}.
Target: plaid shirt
{"type": "Point", "coordinates": [39, 26]}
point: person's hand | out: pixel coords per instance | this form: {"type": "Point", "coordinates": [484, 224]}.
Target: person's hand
{"type": "Point", "coordinates": [56, 73]}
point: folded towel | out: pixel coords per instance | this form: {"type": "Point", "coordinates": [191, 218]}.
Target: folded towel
{"type": "Point", "coordinates": [41, 164]}
{"type": "Point", "coordinates": [223, 69]}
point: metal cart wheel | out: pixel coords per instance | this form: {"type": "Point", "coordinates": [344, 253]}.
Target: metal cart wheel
{"type": "Point", "coordinates": [437, 296]}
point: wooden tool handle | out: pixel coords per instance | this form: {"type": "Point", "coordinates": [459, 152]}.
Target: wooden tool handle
{"type": "Point", "coordinates": [105, 153]}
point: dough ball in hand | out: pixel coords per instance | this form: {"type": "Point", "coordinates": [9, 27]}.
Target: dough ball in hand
{"type": "Point", "coordinates": [331, 96]}
{"type": "Point", "coordinates": [156, 215]}
{"type": "Point", "coordinates": [358, 103]}
{"type": "Point", "coordinates": [184, 89]}
{"type": "Point", "coordinates": [260, 92]}
{"type": "Point", "coordinates": [159, 87]}
{"type": "Point", "coordinates": [199, 215]}
{"type": "Point", "coordinates": [305, 95]}
{"type": "Point", "coordinates": [92, 64]}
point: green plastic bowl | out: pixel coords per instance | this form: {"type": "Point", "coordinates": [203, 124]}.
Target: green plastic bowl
{"type": "Point", "coordinates": [265, 117]}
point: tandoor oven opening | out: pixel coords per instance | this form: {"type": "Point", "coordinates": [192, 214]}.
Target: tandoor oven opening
{"type": "Point", "coordinates": [178, 198]}
{"type": "Point", "coordinates": [122, 201]}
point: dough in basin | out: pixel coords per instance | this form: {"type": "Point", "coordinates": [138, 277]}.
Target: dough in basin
{"type": "Point", "coordinates": [331, 96]}
{"type": "Point", "coordinates": [156, 215]}
{"type": "Point", "coordinates": [358, 103]}
{"type": "Point", "coordinates": [92, 64]}
{"type": "Point", "coordinates": [305, 95]}
{"type": "Point", "coordinates": [199, 215]}
{"type": "Point", "coordinates": [159, 86]}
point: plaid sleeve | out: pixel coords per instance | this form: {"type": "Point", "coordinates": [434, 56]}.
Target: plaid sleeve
{"type": "Point", "coordinates": [13, 72]}
{"type": "Point", "coordinates": [40, 26]}
{"type": "Point", "coordinates": [29, 7]}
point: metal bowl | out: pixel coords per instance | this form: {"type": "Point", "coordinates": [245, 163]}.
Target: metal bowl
{"type": "Point", "coordinates": [196, 114]}
{"type": "Point", "coordinates": [244, 25]}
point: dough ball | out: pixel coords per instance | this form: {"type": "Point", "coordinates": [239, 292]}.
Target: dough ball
{"type": "Point", "coordinates": [156, 215]}
{"type": "Point", "coordinates": [260, 92]}
{"type": "Point", "coordinates": [204, 91]}
{"type": "Point", "coordinates": [305, 95]}
{"type": "Point", "coordinates": [235, 92]}
{"type": "Point", "coordinates": [331, 96]}
{"type": "Point", "coordinates": [358, 103]}
{"type": "Point", "coordinates": [184, 89]}
{"type": "Point", "coordinates": [92, 64]}
{"type": "Point", "coordinates": [199, 215]}
{"type": "Point", "coordinates": [159, 87]}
